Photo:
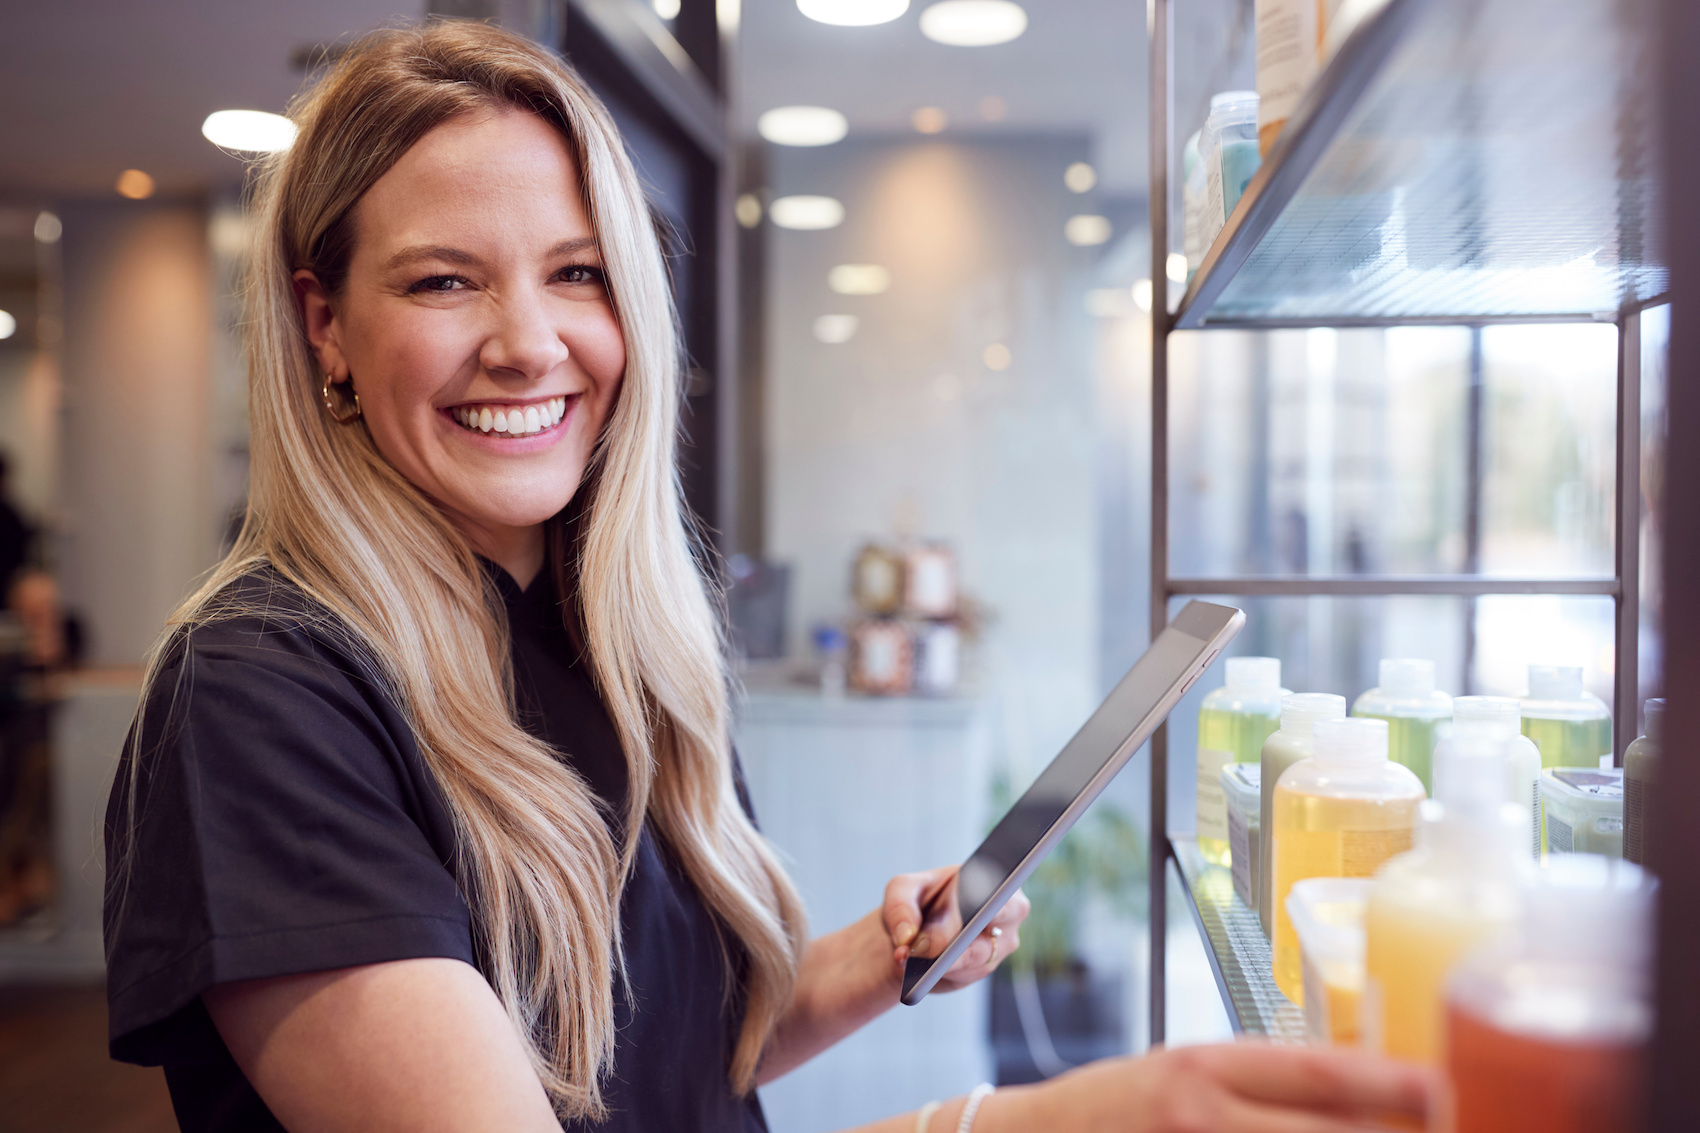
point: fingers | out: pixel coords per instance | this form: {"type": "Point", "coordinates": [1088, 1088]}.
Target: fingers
{"type": "Point", "coordinates": [1246, 1117]}
{"type": "Point", "coordinates": [1337, 1081]}
{"type": "Point", "coordinates": [906, 896]}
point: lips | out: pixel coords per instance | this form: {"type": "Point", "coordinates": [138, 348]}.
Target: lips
{"type": "Point", "coordinates": [507, 419]}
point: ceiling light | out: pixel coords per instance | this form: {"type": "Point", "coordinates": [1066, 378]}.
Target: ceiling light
{"type": "Point", "coordinates": [853, 13]}
{"type": "Point", "coordinates": [993, 108]}
{"type": "Point", "coordinates": [666, 9]}
{"type": "Point", "coordinates": [1142, 295]}
{"type": "Point", "coordinates": [135, 184]}
{"type": "Point", "coordinates": [835, 330]}
{"type": "Point", "coordinates": [802, 126]}
{"type": "Point", "coordinates": [8, 324]}
{"type": "Point", "coordinates": [806, 213]}
{"type": "Point", "coordinates": [747, 208]}
{"type": "Point", "coordinates": [1086, 230]}
{"type": "Point", "coordinates": [1175, 266]}
{"type": "Point", "coordinates": [1080, 177]}
{"type": "Point", "coordinates": [251, 131]}
{"type": "Point", "coordinates": [858, 279]}
{"type": "Point", "coordinates": [997, 356]}
{"type": "Point", "coordinates": [973, 23]}
{"type": "Point", "coordinates": [929, 120]}
{"type": "Point", "coordinates": [47, 228]}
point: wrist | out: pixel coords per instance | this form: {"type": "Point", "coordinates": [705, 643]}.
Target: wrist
{"type": "Point", "coordinates": [1011, 1109]}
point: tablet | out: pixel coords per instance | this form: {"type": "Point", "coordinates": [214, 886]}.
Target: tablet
{"type": "Point", "coordinates": [1079, 773]}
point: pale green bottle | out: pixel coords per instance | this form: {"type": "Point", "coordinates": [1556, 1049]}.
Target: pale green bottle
{"type": "Point", "coordinates": [1233, 722]}
{"type": "Point", "coordinates": [1414, 710]}
{"type": "Point", "coordinates": [1571, 726]}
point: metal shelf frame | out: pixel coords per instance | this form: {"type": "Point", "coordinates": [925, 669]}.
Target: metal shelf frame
{"type": "Point", "coordinates": [1305, 143]}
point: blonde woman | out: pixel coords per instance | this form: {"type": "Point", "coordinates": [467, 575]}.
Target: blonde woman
{"type": "Point", "coordinates": [429, 820]}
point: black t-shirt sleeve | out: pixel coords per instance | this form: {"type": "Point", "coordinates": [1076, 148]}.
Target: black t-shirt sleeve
{"type": "Point", "coordinates": [282, 822]}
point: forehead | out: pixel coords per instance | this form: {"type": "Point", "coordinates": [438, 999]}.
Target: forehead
{"type": "Point", "coordinates": [493, 174]}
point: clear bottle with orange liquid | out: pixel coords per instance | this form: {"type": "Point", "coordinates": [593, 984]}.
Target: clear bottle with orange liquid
{"type": "Point", "coordinates": [1461, 885]}
{"type": "Point", "coordinates": [1546, 1031]}
{"type": "Point", "coordinates": [1341, 813]}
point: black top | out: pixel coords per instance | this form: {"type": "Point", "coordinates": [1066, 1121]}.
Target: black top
{"type": "Point", "coordinates": [285, 822]}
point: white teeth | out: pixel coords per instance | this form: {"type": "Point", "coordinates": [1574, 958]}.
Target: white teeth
{"type": "Point", "coordinates": [532, 421]}
{"type": "Point", "coordinates": [485, 421]}
{"type": "Point", "coordinates": [501, 421]}
{"type": "Point", "coordinates": [515, 421]}
{"type": "Point", "coordinates": [557, 409]}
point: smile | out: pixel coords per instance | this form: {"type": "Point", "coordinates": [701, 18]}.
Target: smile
{"type": "Point", "coordinates": [511, 420]}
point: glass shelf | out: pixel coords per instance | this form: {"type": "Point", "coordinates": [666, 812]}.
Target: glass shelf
{"type": "Point", "coordinates": [1239, 952]}
{"type": "Point", "coordinates": [1458, 160]}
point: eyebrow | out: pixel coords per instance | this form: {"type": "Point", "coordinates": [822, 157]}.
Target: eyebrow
{"type": "Point", "coordinates": [573, 246]}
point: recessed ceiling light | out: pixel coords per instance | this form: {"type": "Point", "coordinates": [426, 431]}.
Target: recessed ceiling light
{"type": "Point", "coordinates": [1175, 266]}
{"type": "Point", "coordinates": [1086, 230]}
{"type": "Point", "coordinates": [1080, 177]}
{"type": "Point", "coordinates": [806, 213]}
{"type": "Point", "coordinates": [747, 208]}
{"type": "Point", "coordinates": [47, 228]}
{"type": "Point", "coordinates": [251, 131]}
{"type": "Point", "coordinates": [802, 126]}
{"type": "Point", "coordinates": [135, 184]}
{"type": "Point", "coordinates": [997, 356]}
{"type": "Point", "coordinates": [929, 120]}
{"type": "Point", "coordinates": [666, 9]}
{"type": "Point", "coordinates": [973, 23]}
{"type": "Point", "coordinates": [8, 324]}
{"type": "Point", "coordinates": [836, 330]}
{"type": "Point", "coordinates": [858, 279]}
{"type": "Point", "coordinates": [853, 13]}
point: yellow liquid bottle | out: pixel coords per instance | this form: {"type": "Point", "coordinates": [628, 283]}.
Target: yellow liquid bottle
{"type": "Point", "coordinates": [1570, 726]}
{"type": "Point", "coordinates": [1341, 813]}
{"type": "Point", "coordinates": [1414, 710]}
{"type": "Point", "coordinates": [1299, 713]}
{"type": "Point", "coordinates": [1233, 722]}
{"type": "Point", "coordinates": [1461, 885]}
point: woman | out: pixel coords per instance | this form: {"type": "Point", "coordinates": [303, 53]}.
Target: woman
{"type": "Point", "coordinates": [430, 819]}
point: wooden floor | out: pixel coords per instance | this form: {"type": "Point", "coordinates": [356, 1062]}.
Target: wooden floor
{"type": "Point", "coordinates": [54, 1072]}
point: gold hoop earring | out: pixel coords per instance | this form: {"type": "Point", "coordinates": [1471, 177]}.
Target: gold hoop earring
{"type": "Point", "coordinates": [340, 416]}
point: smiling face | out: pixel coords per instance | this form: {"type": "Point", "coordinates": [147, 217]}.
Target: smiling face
{"type": "Point", "coordinates": [476, 327]}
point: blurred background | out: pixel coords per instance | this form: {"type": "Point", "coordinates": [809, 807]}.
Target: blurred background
{"type": "Point", "coordinates": [913, 263]}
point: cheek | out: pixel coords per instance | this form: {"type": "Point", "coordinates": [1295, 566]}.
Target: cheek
{"type": "Point", "coordinates": [601, 353]}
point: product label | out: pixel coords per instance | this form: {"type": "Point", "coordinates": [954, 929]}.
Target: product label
{"type": "Point", "coordinates": [1288, 55]}
{"type": "Point", "coordinates": [1212, 803]}
{"type": "Point", "coordinates": [1560, 838]}
{"type": "Point", "coordinates": [1242, 843]}
{"type": "Point", "coordinates": [1535, 818]}
{"type": "Point", "coordinates": [1363, 851]}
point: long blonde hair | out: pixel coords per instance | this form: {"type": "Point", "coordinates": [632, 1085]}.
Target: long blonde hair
{"type": "Point", "coordinates": [538, 863]}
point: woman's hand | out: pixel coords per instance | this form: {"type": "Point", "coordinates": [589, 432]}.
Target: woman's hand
{"type": "Point", "coordinates": [1245, 1087]}
{"type": "Point", "coordinates": [913, 933]}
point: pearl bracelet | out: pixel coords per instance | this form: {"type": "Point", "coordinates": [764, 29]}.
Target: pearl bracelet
{"type": "Point", "coordinates": [980, 1093]}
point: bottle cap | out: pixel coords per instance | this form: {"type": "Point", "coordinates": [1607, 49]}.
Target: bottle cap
{"type": "Point", "coordinates": [1555, 682]}
{"type": "Point", "coordinates": [1470, 778]}
{"type": "Point", "coordinates": [1407, 676]}
{"type": "Point", "coordinates": [1589, 906]}
{"type": "Point", "coordinates": [1486, 716]}
{"type": "Point", "coordinates": [1254, 674]}
{"type": "Point", "coordinates": [1655, 713]}
{"type": "Point", "coordinates": [1231, 103]}
{"type": "Point", "coordinates": [1300, 710]}
{"type": "Point", "coordinates": [1356, 740]}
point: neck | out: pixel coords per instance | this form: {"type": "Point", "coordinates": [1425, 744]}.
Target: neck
{"type": "Point", "coordinates": [517, 550]}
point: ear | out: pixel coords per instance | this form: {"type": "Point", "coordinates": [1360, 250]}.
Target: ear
{"type": "Point", "coordinates": [320, 321]}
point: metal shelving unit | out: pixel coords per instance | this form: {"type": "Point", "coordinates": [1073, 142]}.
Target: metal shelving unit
{"type": "Point", "coordinates": [1460, 163]}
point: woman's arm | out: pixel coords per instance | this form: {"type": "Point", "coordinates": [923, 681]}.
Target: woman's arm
{"type": "Point", "coordinates": [1240, 1088]}
{"type": "Point", "coordinates": [850, 977]}
{"type": "Point", "coordinates": [412, 1045]}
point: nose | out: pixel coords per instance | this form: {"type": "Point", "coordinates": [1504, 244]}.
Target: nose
{"type": "Point", "coordinates": [524, 342]}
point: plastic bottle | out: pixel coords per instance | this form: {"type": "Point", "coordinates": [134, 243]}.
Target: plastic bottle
{"type": "Point", "coordinates": [1496, 717]}
{"type": "Point", "coordinates": [1328, 915]}
{"type": "Point", "coordinates": [1641, 775]}
{"type": "Point", "coordinates": [1461, 885]}
{"type": "Point", "coordinates": [1229, 147]}
{"type": "Point", "coordinates": [1233, 722]}
{"type": "Point", "coordinates": [1341, 813]}
{"type": "Point", "coordinates": [1413, 708]}
{"type": "Point", "coordinates": [1195, 240]}
{"type": "Point", "coordinates": [1290, 36]}
{"type": "Point", "coordinates": [1582, 808]}
{"type": "Point", "coordinates": [1571, 727]}
{"type": "Point", "coordinates": [1240, 788]}
{"type": "Point", "coordinates": [1299, 713]}
{"type": "Point", "coordinates": [1547, 1030]}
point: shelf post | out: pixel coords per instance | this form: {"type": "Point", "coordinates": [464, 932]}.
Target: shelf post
{"type": "Point", "coordinates": [1161, 41]}
{"type": "Point", "coordinates": [1626, 699]}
